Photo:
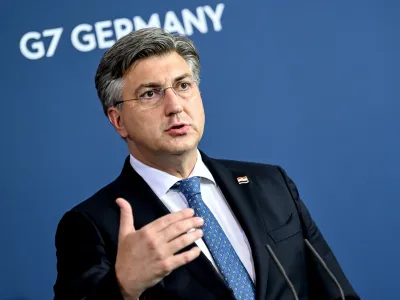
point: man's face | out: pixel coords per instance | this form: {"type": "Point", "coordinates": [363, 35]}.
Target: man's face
{"type": "Point", "coordinates": [176, 125]}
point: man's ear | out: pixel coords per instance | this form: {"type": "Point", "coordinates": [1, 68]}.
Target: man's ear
{"type": "Point", "coordinates": [115, 117]}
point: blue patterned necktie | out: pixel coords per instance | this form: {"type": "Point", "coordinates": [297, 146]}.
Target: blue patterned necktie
{"type": "Point", "coordinates": [224, 255]}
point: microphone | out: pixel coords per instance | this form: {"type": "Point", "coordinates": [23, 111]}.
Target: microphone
{"type": "Point", "coordinates": [320, 260]}
{"type": "Point", "coordinates": [280, 267]}
{"type": "Point", "coordinates": [323, 264]}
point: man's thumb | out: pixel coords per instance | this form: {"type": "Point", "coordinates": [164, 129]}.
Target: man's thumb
{"type": "Point", "coordinates": [126, 218]}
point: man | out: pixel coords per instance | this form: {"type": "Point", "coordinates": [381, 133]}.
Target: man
{"type": "Point", "coordinates": [177, 224]}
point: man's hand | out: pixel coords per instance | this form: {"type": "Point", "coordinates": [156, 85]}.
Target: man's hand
{"type": "Point", "coordinates": [147, 255]}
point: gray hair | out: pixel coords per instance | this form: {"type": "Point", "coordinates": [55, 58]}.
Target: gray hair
{"type": "Point", "coordinates": [138, 45]}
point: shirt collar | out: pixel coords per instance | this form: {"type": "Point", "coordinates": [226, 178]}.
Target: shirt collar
{"type": "Point", "coordinates": [160, 182]}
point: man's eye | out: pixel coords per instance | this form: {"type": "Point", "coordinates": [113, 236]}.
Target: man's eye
{"type": "Point", "coordinates": [149, 94]}
{"type": "Point", "coordinates": [184, 86]}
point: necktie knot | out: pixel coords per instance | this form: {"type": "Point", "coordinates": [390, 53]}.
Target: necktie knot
{"type": "Point", "coordinates": [189, 187]}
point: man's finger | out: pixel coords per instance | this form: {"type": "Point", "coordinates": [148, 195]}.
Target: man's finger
{"type": "Point", "coordinates": [184, 241]}
{"type": "Point", "coordinates": [180, 227]}
{"type": "Point", "coordinates": [183, 258]}
{"type": "Point", "coordinates": [126, 218]}
{"type": "Point", "coordinates": [165, 221]}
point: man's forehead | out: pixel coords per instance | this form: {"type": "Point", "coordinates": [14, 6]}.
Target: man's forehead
{"type": "Point", "coordinates": [158, 68]}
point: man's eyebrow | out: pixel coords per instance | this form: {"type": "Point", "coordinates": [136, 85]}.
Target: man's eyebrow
{"type": "Point", "coordinates": [146, 85]}
{"type": "Point", "coordinates": [183, 76]}
{"type": "Point", "coordinates": [157, 84]}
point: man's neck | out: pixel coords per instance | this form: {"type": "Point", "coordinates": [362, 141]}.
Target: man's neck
{"type": "Point", "coordinates": [178, 165]}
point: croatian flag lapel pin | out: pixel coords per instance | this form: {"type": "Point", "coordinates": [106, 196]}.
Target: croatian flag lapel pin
{"type": "Point", "coordinates": [242, 180]}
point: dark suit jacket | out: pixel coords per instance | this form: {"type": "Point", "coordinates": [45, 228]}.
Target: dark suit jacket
{"type": "Point", "coordinates": [268, 208]}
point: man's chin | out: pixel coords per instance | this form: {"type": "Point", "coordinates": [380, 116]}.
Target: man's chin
{"type": "Point", "coordinates": [180, 145]}
{"type": "Point", "coordinates": [181, 149]}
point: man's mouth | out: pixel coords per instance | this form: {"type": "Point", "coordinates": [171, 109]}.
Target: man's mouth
{"type": "Point", "coordinates": [178, 126]}
{"type": "Point", "coordinates": [178, 129]}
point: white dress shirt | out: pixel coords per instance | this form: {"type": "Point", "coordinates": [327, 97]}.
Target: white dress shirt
{"type": "Point", "coordinates": [161, 182]}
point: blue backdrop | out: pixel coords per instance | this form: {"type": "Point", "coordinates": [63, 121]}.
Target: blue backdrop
{"type": "Point", "coordinates": [310, 85]}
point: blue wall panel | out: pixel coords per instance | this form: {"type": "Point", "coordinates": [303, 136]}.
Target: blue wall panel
{"type": "Point", "coordinates": [312, 86]}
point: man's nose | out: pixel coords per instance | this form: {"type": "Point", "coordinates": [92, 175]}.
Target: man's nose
{"type": "Point", "coordinates": [171, 89]}
{"type": "Point", "coordinates": [172, 101]}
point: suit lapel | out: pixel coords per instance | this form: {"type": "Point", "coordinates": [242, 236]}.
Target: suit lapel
{"type": "Point", "coordinates": [147, 207]}
{"type": "Point", "coordinates": [242, 199]}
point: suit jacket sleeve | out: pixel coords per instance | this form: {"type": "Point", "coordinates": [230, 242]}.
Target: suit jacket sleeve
{"type": "Point", "coordinates": [84, 270]}
{"type": "Point", "coordinates": [321, 286]}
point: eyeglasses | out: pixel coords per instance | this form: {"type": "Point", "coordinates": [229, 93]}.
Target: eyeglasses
{"type": "Point", "coordinates": [154, 96]}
